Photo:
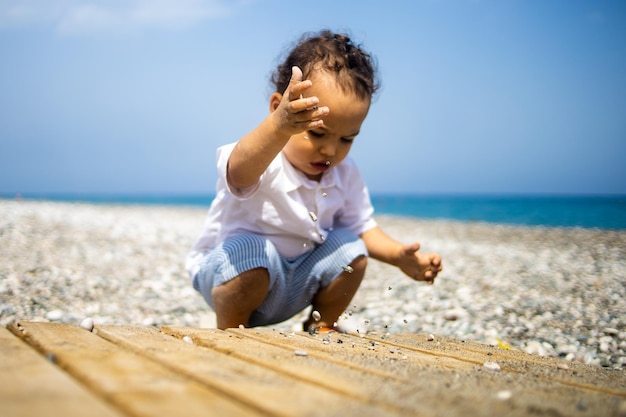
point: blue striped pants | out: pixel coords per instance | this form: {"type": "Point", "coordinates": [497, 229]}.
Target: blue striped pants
{"type": "Point", "coordinates": [293, 282]}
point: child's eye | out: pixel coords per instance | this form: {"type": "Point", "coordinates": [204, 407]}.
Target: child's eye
{"type": "Point", "coordinates": [347, 140]}
{"type": "Point", "coordinates": [315, 134]}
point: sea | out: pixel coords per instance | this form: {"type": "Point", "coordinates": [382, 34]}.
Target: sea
{"type": "Point", "coordinates": [597, 211]}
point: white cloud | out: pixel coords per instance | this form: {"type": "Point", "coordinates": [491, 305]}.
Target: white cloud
{"type": "Point", "coordinates": [76, 16]}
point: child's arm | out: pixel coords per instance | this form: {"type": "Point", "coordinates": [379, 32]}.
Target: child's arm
{"type": "Point", "coordinates": [290, 115]}
{"type": "Point", "coordinates": [419, 266]}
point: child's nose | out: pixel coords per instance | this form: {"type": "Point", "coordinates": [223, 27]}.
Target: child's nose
{"type": "Point", "coordinates": [327, 149]}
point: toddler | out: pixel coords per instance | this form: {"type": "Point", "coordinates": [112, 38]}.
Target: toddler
{"type": "Point", "coordinates": [291, 224]}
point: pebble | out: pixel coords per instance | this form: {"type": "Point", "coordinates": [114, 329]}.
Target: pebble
{"type": "Point", "coordinates": [431, 337]}
{"type": "Point", "coordinates": [54, 315]}
{"type": "Point", "coordinates": [347, 268]}
{"type": "Point", "coordinates": [316, 315]}
{"type": "Point", "coordinates": [504, 395]}
{"type": "Point", "coordinates": [454, 314]}
{"type": "Point", "coordinates": [87, 324]}
{"type": "Point", "coordinates": [187, 339]}
{"type": "Point", "coordinates": [299, 352]}
{"type": "Point", "coordinates": [491, 366]}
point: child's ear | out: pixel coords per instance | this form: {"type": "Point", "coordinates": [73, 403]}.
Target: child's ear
{"type": "Point", "coordinates": [275, 100]}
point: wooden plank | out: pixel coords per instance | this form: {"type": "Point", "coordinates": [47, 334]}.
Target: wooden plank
{"type": "Point", "coordinates": [421, 385]}
{"type": "Point", "coordinates": [133, 383]}
{"type": "Point", "coordinates": [275, 392]}
{"type": "Point", "coordinates": [252, 372]}
{"type": "Point", "coordinates": [33, 386]}
{"type": "Point", "coordinates": [576, 374]}
{"type": "Point", "coordinates": [381, 389]}
{"type": "Point", "coordinates": [469, 380]}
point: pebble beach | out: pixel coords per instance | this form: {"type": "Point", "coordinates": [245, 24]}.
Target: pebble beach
{"type": "Point", "coordinates": [557, 292]}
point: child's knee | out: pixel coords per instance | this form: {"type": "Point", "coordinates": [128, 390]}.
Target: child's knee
{"type": "Point", "coordinates": [236, 300]}
{"type": "Point", "coordinates": [359, 264]}
{"type": "Point", "coordinates": [253, 283]}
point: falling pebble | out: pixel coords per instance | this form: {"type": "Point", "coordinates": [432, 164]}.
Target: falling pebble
{"type": "Point", "coordinates": [406, 321]}
{"type": "Point", "coordinates": [316, 315]}
{"type": "Point", "coordinates": [491, 366]}
{"type": "Point", "coordinates": [87, 324]}
{"type": "Point", "coordinates": [366, 322]}
{"type": "Point", "coordinates": [347, 268]}
{"type": "Point", "coordinates": [300, 352]}
{"type": "Point", "coordinates": [241, 327]}
{"type": "Point", "coordinates": [389, 288]}
{"type": "Point", "coordinates": [563, 366]}
{"type": "Point", "coordinates": [187, 339]}
{"type": "Point", "coordinates": [313, 216]}
{"type": "Point", "coordinates": [431, 337]}
{"type": "Point", "coordinates": [324, 195]}
{"type": "Point", "coordinates": [504, 395]}
{"type": "Point", "coordinates": [327, 163]}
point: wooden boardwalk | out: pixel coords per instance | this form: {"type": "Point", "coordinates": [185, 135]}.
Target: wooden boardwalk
{"type": "Point", "coordinates": [49, 369]}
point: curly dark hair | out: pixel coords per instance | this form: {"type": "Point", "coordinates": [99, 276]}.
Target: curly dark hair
{"type": "Point", "coordinates": [335, 53]}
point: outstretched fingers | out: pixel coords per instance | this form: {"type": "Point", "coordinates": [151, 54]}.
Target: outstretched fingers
{"type": "Point", "coordinates": [297, 85]}
{"type": "Point", "coordinates": [305, 111]}
{"type": "Point", "coordinates": [434, 269]}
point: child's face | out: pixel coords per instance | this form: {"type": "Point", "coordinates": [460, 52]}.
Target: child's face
{"type": "Point", "coordinates": [315, 151]}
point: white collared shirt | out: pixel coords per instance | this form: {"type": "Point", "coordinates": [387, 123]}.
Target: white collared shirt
{"type": "Point", "coordinates": [285, 206]}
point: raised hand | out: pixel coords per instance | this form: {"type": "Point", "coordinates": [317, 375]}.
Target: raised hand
{"type": "Point", "coordinates": [296, 113]}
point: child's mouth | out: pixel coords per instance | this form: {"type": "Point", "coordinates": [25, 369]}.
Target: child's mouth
{"type": "Point", "coordinates": [321, 165]}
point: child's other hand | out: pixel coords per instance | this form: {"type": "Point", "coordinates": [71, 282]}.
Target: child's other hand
{"type": "Point", "coordinates": [297, 113]}
{"type": "Point", "coordinates": [420, 266]}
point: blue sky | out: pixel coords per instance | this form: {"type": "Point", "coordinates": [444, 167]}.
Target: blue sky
{"type": "Point", "coordinates": [479, 96]}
